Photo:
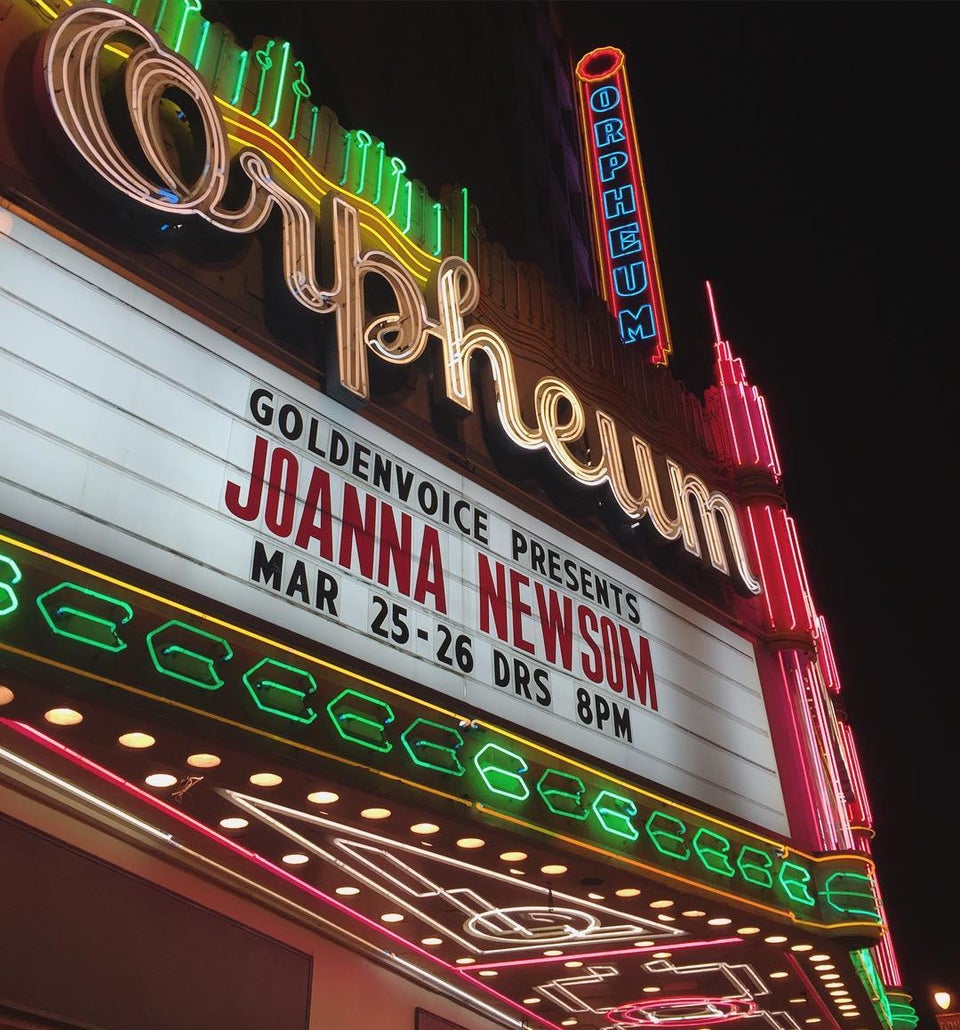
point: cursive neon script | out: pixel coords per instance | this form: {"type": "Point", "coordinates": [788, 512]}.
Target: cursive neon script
{"type": "Point", "coordinates": [705, 520]}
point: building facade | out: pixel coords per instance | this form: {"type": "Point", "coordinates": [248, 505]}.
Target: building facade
{"type": "Point", "coordinates": [382, 641]}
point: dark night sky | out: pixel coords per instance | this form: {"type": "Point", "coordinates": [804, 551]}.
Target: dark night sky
{"type": "Point", "coordinates": [801, 156]}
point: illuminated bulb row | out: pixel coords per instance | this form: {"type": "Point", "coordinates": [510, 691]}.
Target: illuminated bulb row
{"type": "Point", "coordinates": [694, 913]}
{"type": "Point", "coordinates": [135, 740]}
{"type": "Point", "coordinates": [141, 740]}
{"type": "Point", "coordinates": [824, 965]}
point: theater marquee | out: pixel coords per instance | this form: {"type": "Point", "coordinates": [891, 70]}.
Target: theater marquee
{"type": "Point", "coordinates": [328, 552]}
{"type": "Point", "coordinates": [244, 485]}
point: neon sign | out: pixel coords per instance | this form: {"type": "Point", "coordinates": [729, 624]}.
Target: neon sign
{"type": "Point", "coordinates": [623, 232]}
{"type": "Point", "coordinates": [706, 521]}
{"type": "Point", "coordinates": [357, 541]}
{"type": "Point", "coordinates": [104, 635]}
{"type": "Point", "coordinates": [497, 920]}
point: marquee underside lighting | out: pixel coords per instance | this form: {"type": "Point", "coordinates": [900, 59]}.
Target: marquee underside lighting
{"type": "Point", "coordinates": [594, 942]}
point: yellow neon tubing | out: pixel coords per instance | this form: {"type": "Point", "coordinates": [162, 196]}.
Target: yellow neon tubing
{"type": "Point", "coordinates": [418, 261]}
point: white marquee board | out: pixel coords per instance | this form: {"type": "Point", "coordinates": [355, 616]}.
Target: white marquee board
{"type": "Point", "coordinates": [124, 421]}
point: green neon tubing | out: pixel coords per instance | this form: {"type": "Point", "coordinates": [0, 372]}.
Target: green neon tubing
{"type": "Point", "coordinates": [438, 219]}
{"type": "Point", "coordinates": [261, 686]}
{"type": "Point", "coordinates": [508, 782]}
{"type": "Point", "coordinates": [853, 886]}
{"type": "Point", "coordinates": [794, 879]}
{"type": "Point", "coordinates": [266, 63]}
{"type": "Point", "coordinates": [903, 1016]}
{"type": "Point", "coordinates": [870, 979]}
{"type": "Point", "coordinates": [381, 153]}
{"type": "Point", "coordinates": [668, 835]}
{"type": "Point", "coordinates": [202, 45]}
{"type": "Point", "coordinates": [313, 131]}
{"type": "Point", "coordinates": [189, 7]}
{"type": "Point", "coordinates": [356, 727]}
{"type": "Point", "coordinates": [616, 818]}
{"type": "Point", "coordinates": [183, 662]}
{"type": "Point", "coordinates": [66, 616]}
{"type": "Point", "coordinates": [300, 90]}
{"type": "Point", "coordinates": [241, 75]}
{"type": "Point", "coordinates": [364, 142]}
{"type": "Point", "coordinates": [285, 47]}
{"type": "Point", "coordinates": [397, 168]}
{"type": "Point", "coordinates": [713, 850]}
{"type": "Point", "coordinates": [409, 192]}
{"type": "Point", "coordinates": [418, 747]}
{"type": "Point", "coordinates": [8, 596]}
{"type": "Point", "coordinates": [755, 866]}
{"type": "Point", "coordinates": [161, 11]}
{"type": "Point", "coordinates": [563, 794]}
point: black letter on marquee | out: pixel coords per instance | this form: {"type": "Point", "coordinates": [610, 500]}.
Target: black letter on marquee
{"type": "Point", "coordinates": [266, 570]}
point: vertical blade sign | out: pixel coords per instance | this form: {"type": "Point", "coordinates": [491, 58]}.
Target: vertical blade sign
{"type": "Point", "coordinates": [623, 234]}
